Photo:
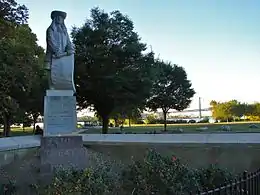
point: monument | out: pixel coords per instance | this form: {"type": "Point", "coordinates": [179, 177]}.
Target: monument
{"type": "Point", "coordinates": [59, 103]}
{"type": "Point", "coordinates": [60, 149]}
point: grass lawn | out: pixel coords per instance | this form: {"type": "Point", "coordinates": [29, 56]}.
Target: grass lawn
{"type": "Point", "coordinates": [185, 128]}
{"type": "Point", "coordinates": [19, 131]}
{"type": "Point", "coordinates": [238, 127]}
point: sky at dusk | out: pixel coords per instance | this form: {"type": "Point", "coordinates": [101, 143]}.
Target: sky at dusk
{"type": "Point", "coordinates": [216, 41]}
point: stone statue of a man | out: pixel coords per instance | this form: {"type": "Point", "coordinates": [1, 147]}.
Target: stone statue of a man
{"type": "Point", "coordinates": [59, 54]}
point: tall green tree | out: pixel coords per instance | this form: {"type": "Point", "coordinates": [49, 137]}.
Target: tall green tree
{"type": "Point", "coordinates": [227, 111]}
{"type": "Point", "coordinates": [112, 68]}
{"type": "Point", "coordinates": [171, 89]}
{"type": "Point", "coordinates": [34, 102]}
{"type": "Point", "coordinates": [19, 54]}
{"type": "Point", "coordinates": [256, 109]}
{"type": "Point", "coordinates": [238, 109]}
{"type": "Point", "coordinates": [11, 15]}
{"type": "Point", "coordinates": [221, 111]}
{"type": "Point", "coordinates": [133, 114]}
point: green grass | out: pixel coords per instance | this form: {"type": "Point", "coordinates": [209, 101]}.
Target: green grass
{"type": "Point", "coordinates": [19, 131]}
{"type": "Point", "coordinates": [238, 127]}
{"type": "Point", "coordinates": [187, 128]}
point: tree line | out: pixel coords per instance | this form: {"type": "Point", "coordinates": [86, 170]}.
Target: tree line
{"type": "Point", "coordinates": [115, 73]}
{"type": "Point", "coordinates": [234, 110]}
{"type": "Point", "coordinates": [22, 79]}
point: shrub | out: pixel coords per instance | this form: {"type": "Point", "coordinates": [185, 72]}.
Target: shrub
{"type": "Point", "coordinates": [151, 119]}
{"type": "Point", "coordinates": [158, 175]}
{"type": "Point", "coordinates": [213, 177]}
{"type": "Point", "coordinates": [103, 179]}
{"type": "Point", "coordinates": [86, 181]}
{"type": "Point", "coordinates": [155, 174]}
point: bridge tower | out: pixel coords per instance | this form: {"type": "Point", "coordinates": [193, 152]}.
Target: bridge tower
{"type": "Point", "coordinates": [200, 114]}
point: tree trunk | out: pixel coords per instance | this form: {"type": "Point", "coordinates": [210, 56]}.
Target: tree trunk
{"type": "Point", "coordinates": [105, 120]}
{"type": "Point", "coordinates": [34, 122]}
{"type": "Point", "coordinates": [6, 119]}
{"type": "Point", "coordinates": [116, 122]}
{"type": "Point", "coordinates": [129, 121]}
{"type": "Point", "coordinates": [165, 119]}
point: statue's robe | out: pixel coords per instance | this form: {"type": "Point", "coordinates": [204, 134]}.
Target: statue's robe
{"type": "Point", "coordinates": [62, 68]}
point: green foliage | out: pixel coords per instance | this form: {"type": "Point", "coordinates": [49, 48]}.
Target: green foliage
{"type": "Point", "coordinates": [155, 174]}
{"type": "Point", "coordinates": [20, 56]}
{"type": "Point", "coordinates": [126, 113]}
{"type": "Point", "coordinates": [11, 11]}
{"type": "Point", "coordinates": [234, 110]}
{"type": "Point", "coordinates": [171, 89]}
{"type": "Point", "coordinates": [11, 15]}
{"type": "Point", "coordinates": [88, 119]}
{"type": "Point", "coordinates": [213, 177]}
{"type": "Point", "coordinates": [34, 100]}
{"type": "Point", "coordinates": [151, 119]}
{"type": "Point", "coordinates": [112, 70]}
{"type": "Point", "coordinates": [89, 181]}
{"type": "Point", "coordinates": [158, 175]}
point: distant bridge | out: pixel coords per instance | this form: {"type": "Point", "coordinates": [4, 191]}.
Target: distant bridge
{"type": "Point", "coordinates": [192, 110]}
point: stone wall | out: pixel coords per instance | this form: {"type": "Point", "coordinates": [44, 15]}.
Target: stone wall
{"type": "Point", "coordinates": [233, 151]}
{"type": "Point", "coordinates": [235, 157]}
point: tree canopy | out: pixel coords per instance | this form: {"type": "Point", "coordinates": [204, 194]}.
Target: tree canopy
{"type": "Point", "coordinates": [115, 73]}
{"type": "Point", "coordinates": [233, 110]}
{"type": "Point", "coordinates": [171, 89]}
{"type": "Point", "coordinates": [112, 69]}
{"type": "Point", "coordinates": [20, 56]}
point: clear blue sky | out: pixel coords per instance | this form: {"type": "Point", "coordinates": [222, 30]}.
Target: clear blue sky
{"type": "Point", "coordinates": [216, 41]}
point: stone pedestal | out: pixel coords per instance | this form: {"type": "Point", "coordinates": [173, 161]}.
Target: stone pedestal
{"type": "Point", "coordinates": [61, 152]}
{"type": "Point", "coordinates": [60, 117]}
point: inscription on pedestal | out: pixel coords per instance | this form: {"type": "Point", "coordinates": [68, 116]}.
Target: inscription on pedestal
{"type": "Point", "coordinates": [63, 142]}
{"type": "Point", "coordinates": [59, 115]}
{"type": "Point", "coordinates": [62, 152]}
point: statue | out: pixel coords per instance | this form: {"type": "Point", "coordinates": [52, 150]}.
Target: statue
{"type": "Point", "coordinates": [59, 54]}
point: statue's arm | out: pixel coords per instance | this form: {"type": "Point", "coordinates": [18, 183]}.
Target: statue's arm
{"type": "Point", "coordinates": [52, 43]}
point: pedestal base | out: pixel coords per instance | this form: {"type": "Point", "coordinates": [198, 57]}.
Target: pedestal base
{"type": "Point", "coordinates": [60, 115]}
{"type": "Point", "coordinates": [64, 152]}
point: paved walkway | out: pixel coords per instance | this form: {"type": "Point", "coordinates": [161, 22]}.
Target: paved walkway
{"type": "Point", "coordinates": [23, 142]}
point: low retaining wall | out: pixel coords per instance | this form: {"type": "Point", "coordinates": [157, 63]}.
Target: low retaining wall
{"type": "Point", "coordinates": [218, 138]}
{"type": "Point", "coordinates": [23, 142]}
{"type": "Point", "coordinates": [234, 151]}
{"type": "Point", "coordinates": [19, 142]}
{"type": "Point", "coordinates": [14, 148]}
{"type": "Point", "coordinates": [237, 152]}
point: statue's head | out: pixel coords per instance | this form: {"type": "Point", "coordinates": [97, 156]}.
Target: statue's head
{"type": "Point", "coordinates": [58, 16]}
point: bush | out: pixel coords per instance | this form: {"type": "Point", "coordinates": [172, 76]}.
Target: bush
{"type": "Point", "coordinates": [100, 180]}
{"type": "Point", "coordinates": [151, 119]}
{"type": "Point", "coordinates": [161, 175]}
{"type": "Point", "coordinates": [155, 174]}
{"type": "Point", "coordinates": [213, 177]}
{"type": "Point", "coordinates": [158, 175]}
{"type": "Point", "coordinates": [85, 182]}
